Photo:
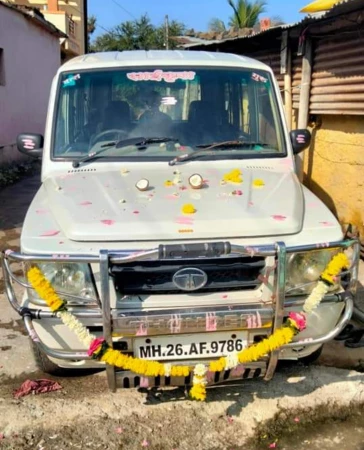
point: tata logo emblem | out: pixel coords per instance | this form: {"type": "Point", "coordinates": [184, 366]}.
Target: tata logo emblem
{"type": "Point", "coordinates": [190, 279]}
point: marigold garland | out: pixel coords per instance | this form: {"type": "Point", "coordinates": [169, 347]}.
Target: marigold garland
{"type": "Point", "coordinates": [100, 350]}
{"type": "Point", "coordinates": [45, 290]}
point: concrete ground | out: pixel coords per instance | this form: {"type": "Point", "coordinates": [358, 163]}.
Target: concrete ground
{"type": "Point", "coordinates": [317, 403]}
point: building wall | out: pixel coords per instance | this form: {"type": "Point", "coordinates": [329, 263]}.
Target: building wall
{"type": "Point", "coordinates": [31, 58]}
{"type": "Point", "coordinates": [334, 166]}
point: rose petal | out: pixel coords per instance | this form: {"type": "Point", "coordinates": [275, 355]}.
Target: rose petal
{"type": "Point", "coordinates": [108, 222]}
{"type": "Point", "coordinates": [327, 224]}
{"type": "Point", "coordinates": [85, 203]}
{"type": "Point", "coordinates": [41, 211]}
{"type": "Point", "coordinates": [119, 430]}
{"type": "Point", "coordinates": [50, 233]}
{"type": "Point", "coordinates": [279, 218]}
{"type": "Point", "coordinates": [136, 212]}
{"type": "Point", "coordinates": [296, 419]}
{"type": "Point", "coordinates": [145, 443]}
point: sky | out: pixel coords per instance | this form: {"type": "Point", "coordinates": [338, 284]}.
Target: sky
{"type": "Point", "coordinates": [193, 13]}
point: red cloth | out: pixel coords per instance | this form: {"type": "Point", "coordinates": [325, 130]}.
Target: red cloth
{"type": "Point", "coordinates": [36, 387]}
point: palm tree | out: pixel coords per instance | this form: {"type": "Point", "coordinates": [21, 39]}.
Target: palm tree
{"type": "Point", "coordinates": [246, 12]}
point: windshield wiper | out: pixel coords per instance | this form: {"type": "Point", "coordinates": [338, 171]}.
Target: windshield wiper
{"type": "Point", "coordinates": [203, 148]}
{"type": "Point", "coordinates": [140, 142]}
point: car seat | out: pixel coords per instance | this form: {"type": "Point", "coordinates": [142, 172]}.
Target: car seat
{"type": "Point", "coordinates": [117, 116]}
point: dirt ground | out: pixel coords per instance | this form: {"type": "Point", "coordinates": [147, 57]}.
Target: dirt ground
{"type": "Point", "coordinates": [316, 407]}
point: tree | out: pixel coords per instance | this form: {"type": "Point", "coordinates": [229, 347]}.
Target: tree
{"type": "Point", "coordinates": [216, 25]}
{"type": "Point", "coordinates": [139, 34]}
{"type": "Point", "coordinates": [246, 12]}
{"type": "Point", "coordinates": [91, 27]}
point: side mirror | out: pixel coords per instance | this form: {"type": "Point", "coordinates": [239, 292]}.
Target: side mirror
{"type": "Point", "coordinates": [30, 144]}
{"type": "Point", "coordinates": [300, 139]}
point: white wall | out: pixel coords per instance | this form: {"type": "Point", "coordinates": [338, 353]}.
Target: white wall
{"type": "Point", "coordinates": [31, 57]}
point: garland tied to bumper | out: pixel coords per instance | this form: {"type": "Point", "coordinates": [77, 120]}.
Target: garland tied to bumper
{"type": "Point", "coordinates": [99, 349]}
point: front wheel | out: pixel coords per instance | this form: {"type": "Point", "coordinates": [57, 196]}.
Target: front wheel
{"type": "Point", "coordinates": [44, 364]}
{"type": "Point", "coordinates": [310, 359]}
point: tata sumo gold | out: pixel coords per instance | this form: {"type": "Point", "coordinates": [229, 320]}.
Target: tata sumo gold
{"type": "Point", "coordinates": [171, 240]}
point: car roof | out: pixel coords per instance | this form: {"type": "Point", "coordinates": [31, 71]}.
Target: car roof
{"type": "Point", "coordinates": [155, 58]}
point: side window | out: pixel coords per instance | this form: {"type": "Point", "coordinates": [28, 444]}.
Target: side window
{"type": "Point", "coordinates": [73, 116]}
{"type": "Point", "coordinates": [267, 115]}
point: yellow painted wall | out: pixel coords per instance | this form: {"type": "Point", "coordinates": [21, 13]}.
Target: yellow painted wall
{"type": "Point", "coordinates": [73, 8]}
{"type": "Point", "coordinates": [334, 166]}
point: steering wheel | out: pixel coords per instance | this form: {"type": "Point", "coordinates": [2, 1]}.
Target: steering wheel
{"type": "Point", "coordinates": [119, 134]}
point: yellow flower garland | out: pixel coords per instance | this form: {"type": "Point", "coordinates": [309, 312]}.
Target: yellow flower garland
{"type": "Point", "coordinates": [147, 368]}
{"type": "Point", "coordinates": [335, 266]}
{"type": "Point", "coordinates": [279, 338]}
{"type": "Point", "coordinates": [44, 289]}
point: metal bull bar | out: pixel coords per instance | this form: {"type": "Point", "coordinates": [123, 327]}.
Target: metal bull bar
{"type": "Point", "coordinates": [176, 252]}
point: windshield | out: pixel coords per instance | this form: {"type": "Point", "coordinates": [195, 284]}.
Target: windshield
{"type": "Point", "coordinates": [191, 105]}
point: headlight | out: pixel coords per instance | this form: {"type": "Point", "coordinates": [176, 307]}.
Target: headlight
{"type": "Point", "coordinates": [69, 278]}
{"type": "Point", "coordinates": [304, 270]}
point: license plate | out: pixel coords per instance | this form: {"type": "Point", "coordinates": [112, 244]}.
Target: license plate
{"type": "Point", "coordinates": [189, 346]}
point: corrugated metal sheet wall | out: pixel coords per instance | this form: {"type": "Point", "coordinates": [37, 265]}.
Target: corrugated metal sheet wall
{"type": "Point", "coordinates": [273, 59]}
{"type": "Point", "coordinates": [338, 75]}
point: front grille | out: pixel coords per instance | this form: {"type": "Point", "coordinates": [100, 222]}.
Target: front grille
{"type": "Point", "coordinates": [155, 277]}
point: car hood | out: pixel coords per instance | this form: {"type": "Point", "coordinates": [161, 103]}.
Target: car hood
{"type": "Point", "coordinates": [107, 205]}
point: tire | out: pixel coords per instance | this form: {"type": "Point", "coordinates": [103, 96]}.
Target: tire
{"type": "Point", "coordinates": [44, 364]}
{"type": "Point", "coordinates": [310, 359]}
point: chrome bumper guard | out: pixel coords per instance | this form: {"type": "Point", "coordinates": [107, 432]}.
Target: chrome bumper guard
{"type": "Point", "coordinates": [116, 320]}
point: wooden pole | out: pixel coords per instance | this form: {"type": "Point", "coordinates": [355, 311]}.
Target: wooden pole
{"type": "Point", "coordinates": [304, 106]}
{"type": "Point", "coordinates": [288, 90]}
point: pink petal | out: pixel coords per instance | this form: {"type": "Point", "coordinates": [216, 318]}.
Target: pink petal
{"type": "Point", "coordinates": [2, 436]}
{"type": "Point", "coordinates": [171, 197]}
{"type": "Point", "coordinates": [41, 211]}
{"type": "Point", "coordinates": [144, 382]}
{"type": "Point", "coordinates": [273, 445]}
{"type": "Point", "coordinates": [50, 233]}
{"type": "Point", "coordinates": [119, 430]}
{"type": "Point", "coordinates": [296, 419]}
{"type": "Point", "coordinates": [279, 218]}
{"type": "Point", "coordinates": [60, 242]}
{"type": "Point", "coordinates": [327, 224]}
{"type": "Point", "coordinates": [224, 296]}
{"type": "Point", "coordinates": [184, 220]}
{"type": "Point", "coordinates": [86, 203]}
{"type": "Point", "coordinates": [183, 188]}
{"type": "Point", "coordinates": [136, 212]}
{"type": "Point", "coordinates": [230, 419]}
{"type": "Point", "coordinates": [251, 204]}
{"type": "Point", "coordinates": [108, 222]}
{"type": "Point", "coordinates": [145, 443]}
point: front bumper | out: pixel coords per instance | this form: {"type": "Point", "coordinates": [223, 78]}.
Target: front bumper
{"type": "Point", "coordinates": [260, 319]}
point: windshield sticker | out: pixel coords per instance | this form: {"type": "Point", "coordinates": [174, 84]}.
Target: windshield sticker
{"type": "Point", "coordinates": [259, 78]}
{"type": "Point", "coordinates": [169, 101]}
{"type": "Point", "coordinates": [161, 75]}
{"type": "Point", "coordinates": [71, 80]}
